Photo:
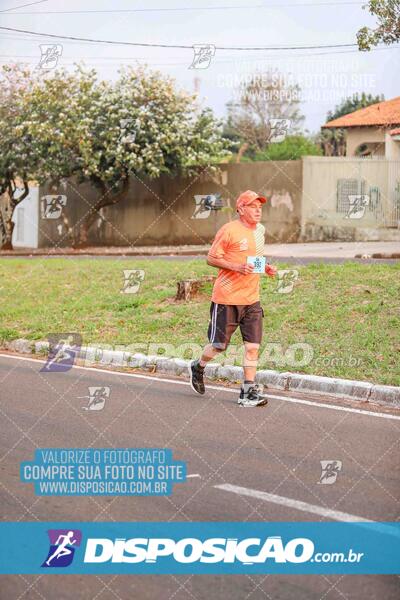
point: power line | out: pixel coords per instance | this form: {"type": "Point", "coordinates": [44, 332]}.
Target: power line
{"type": "Point", "coordinates": [105, 59]}
{"type": "Point", "coordinates": [189, 8]}
{"type": "Point", "coordinates": [27, 39]}
{"type": "Point", "coordinates": [23, 6]}
{"type": "Point", "coordinates": [136, 44]}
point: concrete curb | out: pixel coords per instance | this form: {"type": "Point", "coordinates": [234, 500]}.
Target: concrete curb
{"type": "Point", "coordinates": [379, 255]}
{"type": "Point", "coordinates": [158, 251]}
{"type": "Point", "coordinates": [364, 391]}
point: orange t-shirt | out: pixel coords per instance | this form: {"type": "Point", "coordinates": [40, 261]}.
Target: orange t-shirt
{"type": "Point", "coordinates": [235, 242]}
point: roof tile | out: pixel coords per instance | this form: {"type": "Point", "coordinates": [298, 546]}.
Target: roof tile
{"type": "Point", "coordinates": [384, 114]}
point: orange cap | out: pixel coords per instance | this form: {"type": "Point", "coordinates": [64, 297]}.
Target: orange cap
{"type": "Point", "coordinates": [248, 197]}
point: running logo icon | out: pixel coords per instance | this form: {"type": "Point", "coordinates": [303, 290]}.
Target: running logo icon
{"type": "Point", "coordinates": [50, 53]}
{"type": "Point", "coordinates": [330, 470]}
{"type": "Point", "coordinates": [132, 280]}
{"type": "Point", "coordinates": [52, 206]}
{"type": "Point", "coordinates": [205, 203]}
{"type": "Point", "coordinates": [357, 206]}
{"type": "Point", "coordinates": [286, 280]}
{"type": "Point", "coordinates": [203, 54]}
{"type": "Point", "coordinates": [63, 349]}
{"type": "Point", "coordinates": [128, 130]}
{"type": "Point", "coordinates": [243, 244]}
{"type": "Point", "coordinates": [97, 397]}
{"type": "Point", "coordinates": [278, 129]}
{"type": "Point", "coordinates": [63, 543]}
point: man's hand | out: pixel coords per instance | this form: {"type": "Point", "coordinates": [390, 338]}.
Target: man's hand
{"type": "Point", "coordinates": [270, 270]}
{"type": "Point", "coordinates": [244, 269]}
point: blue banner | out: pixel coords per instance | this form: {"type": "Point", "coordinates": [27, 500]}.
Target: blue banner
{"type": "Point", "coordinates": [200, 548]}
{"type": "Point", "coordinates": [103, 472]}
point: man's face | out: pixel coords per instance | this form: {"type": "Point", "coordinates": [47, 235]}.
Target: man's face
{"type": "Point", "coordinates": [251, 212]}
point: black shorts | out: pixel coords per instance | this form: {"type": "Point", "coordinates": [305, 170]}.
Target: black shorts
{"type": "Point", "coordinates": [226, 318]}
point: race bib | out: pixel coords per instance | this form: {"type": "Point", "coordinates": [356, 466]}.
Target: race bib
{"type": "Point", "coordinates": [258, 263]}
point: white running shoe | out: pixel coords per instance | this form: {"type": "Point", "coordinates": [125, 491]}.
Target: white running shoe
{"type": "Point", "coordinates": [251, 395]}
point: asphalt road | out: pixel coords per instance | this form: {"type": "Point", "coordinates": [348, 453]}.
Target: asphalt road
{"type": "Point", "coordinates": [232, 455]}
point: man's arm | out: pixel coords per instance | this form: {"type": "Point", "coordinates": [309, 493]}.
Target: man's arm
{"type": "Point", "coordinates": [221, 263]}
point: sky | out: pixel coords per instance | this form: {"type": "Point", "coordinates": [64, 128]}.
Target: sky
{"type": "Point", "coordinates": [325, 76]}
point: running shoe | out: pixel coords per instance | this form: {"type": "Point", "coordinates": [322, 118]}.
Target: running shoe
{"type": "Point", "coordinates": [196, 373]}
{"type": "Point", "coordinates": [252, 397]}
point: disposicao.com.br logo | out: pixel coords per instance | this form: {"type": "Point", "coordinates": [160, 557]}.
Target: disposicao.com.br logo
{"type": "Point", "coordinates": [191, 550]}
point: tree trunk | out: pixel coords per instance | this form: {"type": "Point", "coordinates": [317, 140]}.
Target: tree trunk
{"type": "Point", "coordinates": [242, 150]}
{"type": "Point", "coordinates": [2, 229]}
{"type": "Point", "coordinates": [7, 243]}
{"type": "Point", "coordinates": [70, 230]}
{"type": "Point", "coordinates": [7, 226]}
{"type": "Point", "coordinates": [107, 199]}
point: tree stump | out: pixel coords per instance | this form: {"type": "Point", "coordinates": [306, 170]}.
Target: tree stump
{"type": "Point", "coordinates": [187, 288]}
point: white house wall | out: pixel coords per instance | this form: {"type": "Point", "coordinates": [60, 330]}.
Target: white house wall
{"type": "Point", "coordinates": [325, 178]}
{"type": "Point", "coordinates": [25, 234]}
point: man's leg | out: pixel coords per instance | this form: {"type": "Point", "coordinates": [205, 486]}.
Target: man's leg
{"type": "Point", "coordinates": [250, 361]}
{"type": "Point", "coordinates": [196, 369]}
{"type": "Point", "coordinates": [251, 326]}
{"type": "Point", "coordinates": [251, 393]}
{"type": "Point", "coordinates": [223, 322]}
{"type": "Point", "coordinates": [209, 352]}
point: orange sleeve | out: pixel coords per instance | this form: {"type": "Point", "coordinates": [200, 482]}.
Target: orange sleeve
{"type": "Point", "coordinates": [219, 244]}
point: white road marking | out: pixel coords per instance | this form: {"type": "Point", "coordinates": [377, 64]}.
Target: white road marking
{"type": "Point", "coordinates": [193, 475]}
{"type": "Point", "coordinates": [336, 515]}
{"type": "Point", "coordinates": [219, 388]}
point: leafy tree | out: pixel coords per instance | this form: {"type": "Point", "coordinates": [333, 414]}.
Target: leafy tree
{"type": "Point", "coordinates": [291, 148]}
{"type": "Point", "coordinates": [352, 103]}
{"type": "Point", "coordinates": [103, 133]}
{"type": "Point", "coordinates": [42, 116]}
{"type": "Point", "coordinates": [332, 142]}
{"type": "Point", "coordinates": [17, 166]}
{"type": "Point", "coordinates": [388, 29]}
{"type": "Point", "coordinates": [265, 96]}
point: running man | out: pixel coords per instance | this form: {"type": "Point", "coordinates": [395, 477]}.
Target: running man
{"type": "Point", "coordinates": [62, 549]}
{"type": "Point", "coordinates": [236, 296]}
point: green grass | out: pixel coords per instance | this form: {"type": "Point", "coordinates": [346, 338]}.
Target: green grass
{"type": "Point", "coordinates": [348, 314]}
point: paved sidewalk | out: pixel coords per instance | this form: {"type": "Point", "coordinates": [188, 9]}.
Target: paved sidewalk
{"type": "Point", "coordinates": [305, 250]}
{"type": "Point", "coordinates": [334, 249]}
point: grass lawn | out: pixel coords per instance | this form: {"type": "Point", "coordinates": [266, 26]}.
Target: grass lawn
{"type": "Point", "coordinates": [347, 316]}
